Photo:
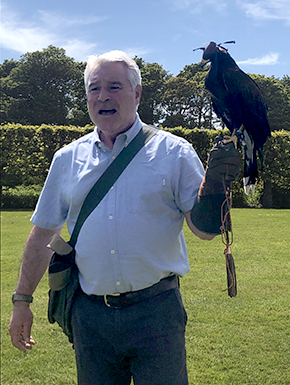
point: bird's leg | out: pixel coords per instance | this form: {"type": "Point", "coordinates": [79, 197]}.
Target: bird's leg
{"type": "Point", "coordinates": [237, 137]}
{"type": "Point", "coordinates": [233, 138]}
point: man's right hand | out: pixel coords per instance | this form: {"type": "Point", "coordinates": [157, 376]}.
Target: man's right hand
{"type": "Point", "coordinates": [20, 326]}
{"type": "Point", "coordinates": [35, 261]}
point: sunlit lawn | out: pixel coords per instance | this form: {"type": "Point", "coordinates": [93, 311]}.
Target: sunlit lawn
{"type": "Point", "coordinates": [242, 340]}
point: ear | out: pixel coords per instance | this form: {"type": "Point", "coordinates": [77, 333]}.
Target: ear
{"type": "Point", "coordinates": [138, 92]}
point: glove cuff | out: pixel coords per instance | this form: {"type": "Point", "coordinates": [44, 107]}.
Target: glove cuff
{"type": "Point", "coordinates": [206, 213]}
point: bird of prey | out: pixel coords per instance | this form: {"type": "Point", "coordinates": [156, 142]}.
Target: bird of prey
{"type": "Point", "coordinates": [239, 102]}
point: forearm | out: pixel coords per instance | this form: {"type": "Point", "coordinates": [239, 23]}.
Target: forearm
{"type": "Point", "coordinates": [201, 234]}
{"type": "Point", "coordinates": [206, 213]}
{"type": "Point", "coordinates": [35, 259]}
{"type": "Point", "coordinates": [205, 216]}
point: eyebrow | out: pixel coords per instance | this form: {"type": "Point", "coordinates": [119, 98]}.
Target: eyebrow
{"type": "Point", "coordinates": [93, 84]}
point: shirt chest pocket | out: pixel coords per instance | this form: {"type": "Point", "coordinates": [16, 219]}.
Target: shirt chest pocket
{"type": "Point", "coordinates": [148, 194]}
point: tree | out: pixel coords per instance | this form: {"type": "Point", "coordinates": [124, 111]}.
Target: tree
{"type": "Point", "coordinates": [153, 79]}
{"type": "Point", "coordinates": [5, 84]}
{"type": "Point", "coordinates": [186, 103]}
{"type": "Point", "coordinates": [286, 85]}
{"type": "Point", "coordinates": [78, 115]}
{"type": "Point", "coordinates": [6, 67]}
{"type": "Point", "coordinates": [47, 87]}
{"type": "Point", "coordinates": [40, 89]}
{"type": "Point", "coordinates": [206, 117]}
{"type": "Point", "coordinates": [178, 102]}
{"type": "Point", "coordinates": [189, 71]}
{"type": "Point", "coordinates": [277, 96]}
{"type": "Point", "coordinates": [286, 81]}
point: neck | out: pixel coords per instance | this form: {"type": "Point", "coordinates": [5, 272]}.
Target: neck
{"type": "Point", "coordinates": [107, 140]}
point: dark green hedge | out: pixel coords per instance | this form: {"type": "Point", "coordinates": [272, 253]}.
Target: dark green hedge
{"type": "Point", "coordinates": [20, 197]}
{"type": "Point", "coordinates": [273, 188]}
{"type": "Point", "coordinates": [28, 150]}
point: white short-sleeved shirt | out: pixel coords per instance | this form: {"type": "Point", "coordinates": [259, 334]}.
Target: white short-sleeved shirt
{"type": "Point", "coordinates": [134, 237]}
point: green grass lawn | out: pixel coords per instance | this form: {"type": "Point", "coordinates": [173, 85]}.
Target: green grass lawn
{"type": "Point", "coordinates": [241, 340]}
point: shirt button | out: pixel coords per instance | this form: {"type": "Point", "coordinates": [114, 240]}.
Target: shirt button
{"type": "Point", "coordinates": [118, 283]}
{"type": "Point", "coordinates": [113, 251]}
{"type": "Point", "coordinates": [113, 157]}
{"type": "Point", "coordinates": [111, 217]}
{"type": "Point", "coordinates": [112, 188]}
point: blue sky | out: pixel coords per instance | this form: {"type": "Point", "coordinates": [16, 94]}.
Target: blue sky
{"type": "Point", "coordinates": [162, 31]}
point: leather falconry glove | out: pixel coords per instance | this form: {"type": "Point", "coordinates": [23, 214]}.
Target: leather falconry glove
{"type": "Point", "coordinates": [222, 169]}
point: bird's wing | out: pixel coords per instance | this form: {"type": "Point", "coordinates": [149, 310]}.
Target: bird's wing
{"type": "Point", "coordinates": [222, 112]}
{"type": "Point", "coordinates": [220, 99]}
{"type": "Point", "coordinates": [247, 100]}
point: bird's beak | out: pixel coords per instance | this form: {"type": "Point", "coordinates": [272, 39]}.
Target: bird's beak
{"type": "Point", "coordinates": [203, 62]}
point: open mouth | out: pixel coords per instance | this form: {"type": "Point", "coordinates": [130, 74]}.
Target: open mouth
{"type": "Point", "coordinates": [108, 112]}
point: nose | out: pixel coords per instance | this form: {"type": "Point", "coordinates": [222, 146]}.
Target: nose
{"type": "Point", "coordinates": [103, 95]}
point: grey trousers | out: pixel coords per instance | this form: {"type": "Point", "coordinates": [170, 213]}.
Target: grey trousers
{"type": "Point", "coordinates": [144, 341]}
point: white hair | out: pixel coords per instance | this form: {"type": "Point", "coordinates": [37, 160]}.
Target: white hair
{"type": "Point", "coordinates": [134, 74]}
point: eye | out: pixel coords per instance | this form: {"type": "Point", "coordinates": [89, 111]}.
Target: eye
{"type": "Point", "coordinates": [115, 88]}
{"type": "Point", "coordinates": [94, 89]}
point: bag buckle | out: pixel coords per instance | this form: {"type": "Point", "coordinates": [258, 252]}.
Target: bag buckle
{"type": "Point", "coordinates": [110, 295]}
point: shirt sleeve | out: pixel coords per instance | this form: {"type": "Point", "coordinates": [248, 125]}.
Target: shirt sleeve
{"type": "Point", "coordinates": [190, 175]}
{"type": "Point", "coordinates": [51, 209]}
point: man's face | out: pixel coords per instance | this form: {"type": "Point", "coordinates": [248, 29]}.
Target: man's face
{"type": "Point", "coordinates": [111, 101]}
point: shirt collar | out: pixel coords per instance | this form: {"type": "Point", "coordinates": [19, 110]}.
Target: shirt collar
{"type": "Point", "coordinates": [122, 139]}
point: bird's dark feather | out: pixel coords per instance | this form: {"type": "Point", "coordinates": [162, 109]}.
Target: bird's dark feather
{"type": "Point", "coordinates": [237, 98]}
{"type": "Point", "coordinates": [238, 101]}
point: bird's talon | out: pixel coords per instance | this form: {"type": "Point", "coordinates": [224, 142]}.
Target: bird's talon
{"type": "Point", "coordinates": [229, 139]}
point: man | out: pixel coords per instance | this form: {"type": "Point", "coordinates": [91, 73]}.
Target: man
{"type": "Point", "coordinates": [131, 244]}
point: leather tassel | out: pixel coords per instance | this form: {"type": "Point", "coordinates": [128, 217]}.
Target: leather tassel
{"type": "Point", "coordinates": [231, 272]}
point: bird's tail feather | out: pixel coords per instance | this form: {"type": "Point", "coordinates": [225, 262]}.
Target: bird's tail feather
{"type": "Point", "coordinates": [250, 163]}
{"type": "Point", "coordinates": [248, 188]}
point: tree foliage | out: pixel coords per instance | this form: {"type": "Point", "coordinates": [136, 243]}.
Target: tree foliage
{"type": "Point", "coordinates": [46, 87]}
{"type": "Point", "coordinates": [153, 81]}
{"type": "Point", "coordinates": [179, 102]}
{"type": "Point", "coordinates": [277, 96]}
{"type": "Point", "coordinates": [43, 87]}
{"type": "Point", "coordinates": [186, 102]}
{"type": "Point", "coordinates": [189, 71]}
